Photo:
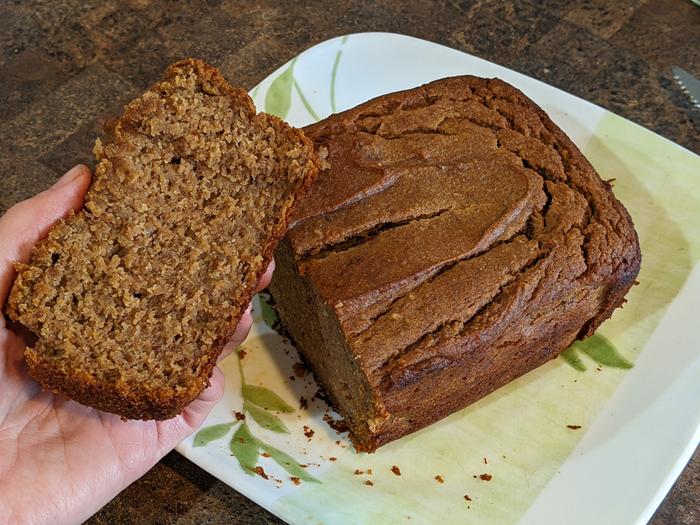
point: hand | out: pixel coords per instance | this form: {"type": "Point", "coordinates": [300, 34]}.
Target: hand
{"type": "Point", "coordinates": [60, 461]}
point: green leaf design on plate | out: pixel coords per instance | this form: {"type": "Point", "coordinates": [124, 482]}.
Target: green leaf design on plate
{"type": "Point", "coordinates": [571, 357]}
{"type": "Point", "coordinates": [598, 348]}
{"type": "Point", "coordinates": [603, 352]}
{"type": "Point", "coordinates": [288, 463]}
{"type": "Point", "coordinates": [266, 398]}
{"type": "Point", "coordinates": [268, 313]}
{"type": "Point", "coordinates": [244, 447]}
{"type": "Point", "coordinates": [265, 419]}
{"type": "Point", "coordinates": [334, 74]}
{"type": "Point", "coordinates": [211, 433]}
{"type": "Point", "coordinates": [278, 99]}
{"type": "Point", "coordinates": [304, 101]}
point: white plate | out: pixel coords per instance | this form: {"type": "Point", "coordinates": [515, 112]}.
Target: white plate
{"type": "Point", "coordinates": [639, 426]}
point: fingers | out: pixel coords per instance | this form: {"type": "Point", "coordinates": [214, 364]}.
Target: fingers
{"type": "Point", "coordinates": [195, 414]}
{"type": "Point", "coordinates": [29, 221]}
{"type": "Point", "coordinates": [244, 325]}
{"type": "Point", "coordinates": [240, 334]}
{"type": "Point", "coordinates": [174, 430]}
{"type": "Point", "coordinates": [264, 281]}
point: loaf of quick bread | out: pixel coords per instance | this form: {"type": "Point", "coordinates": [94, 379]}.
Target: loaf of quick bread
{"type": "Point", "coordinates": [457, 240]}
{"type": "Point", "coordinates": [134, 296]}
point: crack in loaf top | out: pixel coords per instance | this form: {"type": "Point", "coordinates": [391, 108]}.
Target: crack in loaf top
{"type": "Point", "coordinates": [441, 207]}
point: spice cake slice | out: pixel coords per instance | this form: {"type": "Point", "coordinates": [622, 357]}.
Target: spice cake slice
{"type": "Point", "coordinates": [457, 240]}
{"type": "Point", "coordinates": [134, 296]}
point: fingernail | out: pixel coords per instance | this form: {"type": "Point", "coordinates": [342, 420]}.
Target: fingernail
{"type": "Point", "coordinates": [68, 177]}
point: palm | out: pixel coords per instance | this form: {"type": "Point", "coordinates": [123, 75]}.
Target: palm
{"type": "Point", "coordinates": [52, 445]}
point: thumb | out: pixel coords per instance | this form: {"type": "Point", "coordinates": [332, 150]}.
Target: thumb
{"type": "Point", "coordinates": [29, 221]}
{"type": "Point", "coordinates": [174, 430]}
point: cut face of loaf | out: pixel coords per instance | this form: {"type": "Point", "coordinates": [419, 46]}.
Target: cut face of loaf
{"type": "Point", "coordinates": [133, 297]}
{"type": "Point", "coordinates": [458, 240]}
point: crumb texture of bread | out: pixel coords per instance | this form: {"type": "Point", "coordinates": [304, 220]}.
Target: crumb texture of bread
{"type": "Point", "coordinates": [134, 296]}
{"type": "Point", "coordinates": [457, 240]}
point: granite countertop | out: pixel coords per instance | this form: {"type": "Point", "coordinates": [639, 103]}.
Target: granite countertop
{"type": "Point", "coordinates": [66, 66]}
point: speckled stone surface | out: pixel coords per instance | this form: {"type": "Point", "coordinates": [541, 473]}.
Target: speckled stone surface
{"type": "Point", "coordinates": [67, 65]}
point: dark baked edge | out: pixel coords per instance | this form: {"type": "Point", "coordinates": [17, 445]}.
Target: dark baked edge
{"type": "Point", "coordinates": [623, 279]}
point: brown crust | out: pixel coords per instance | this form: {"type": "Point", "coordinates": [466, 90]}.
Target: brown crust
{"type": "Point", "coordinates": [624, 277]}
{"type": "Point", "coordinates": [166, 403]}
{"type": "Point", "coordinates": [346, 258]}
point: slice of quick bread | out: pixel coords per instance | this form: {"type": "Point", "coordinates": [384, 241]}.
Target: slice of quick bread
{"type": "Point", "coordinates": [457, 240]}
{"type": "Point", "coordinates": [134, 296]}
